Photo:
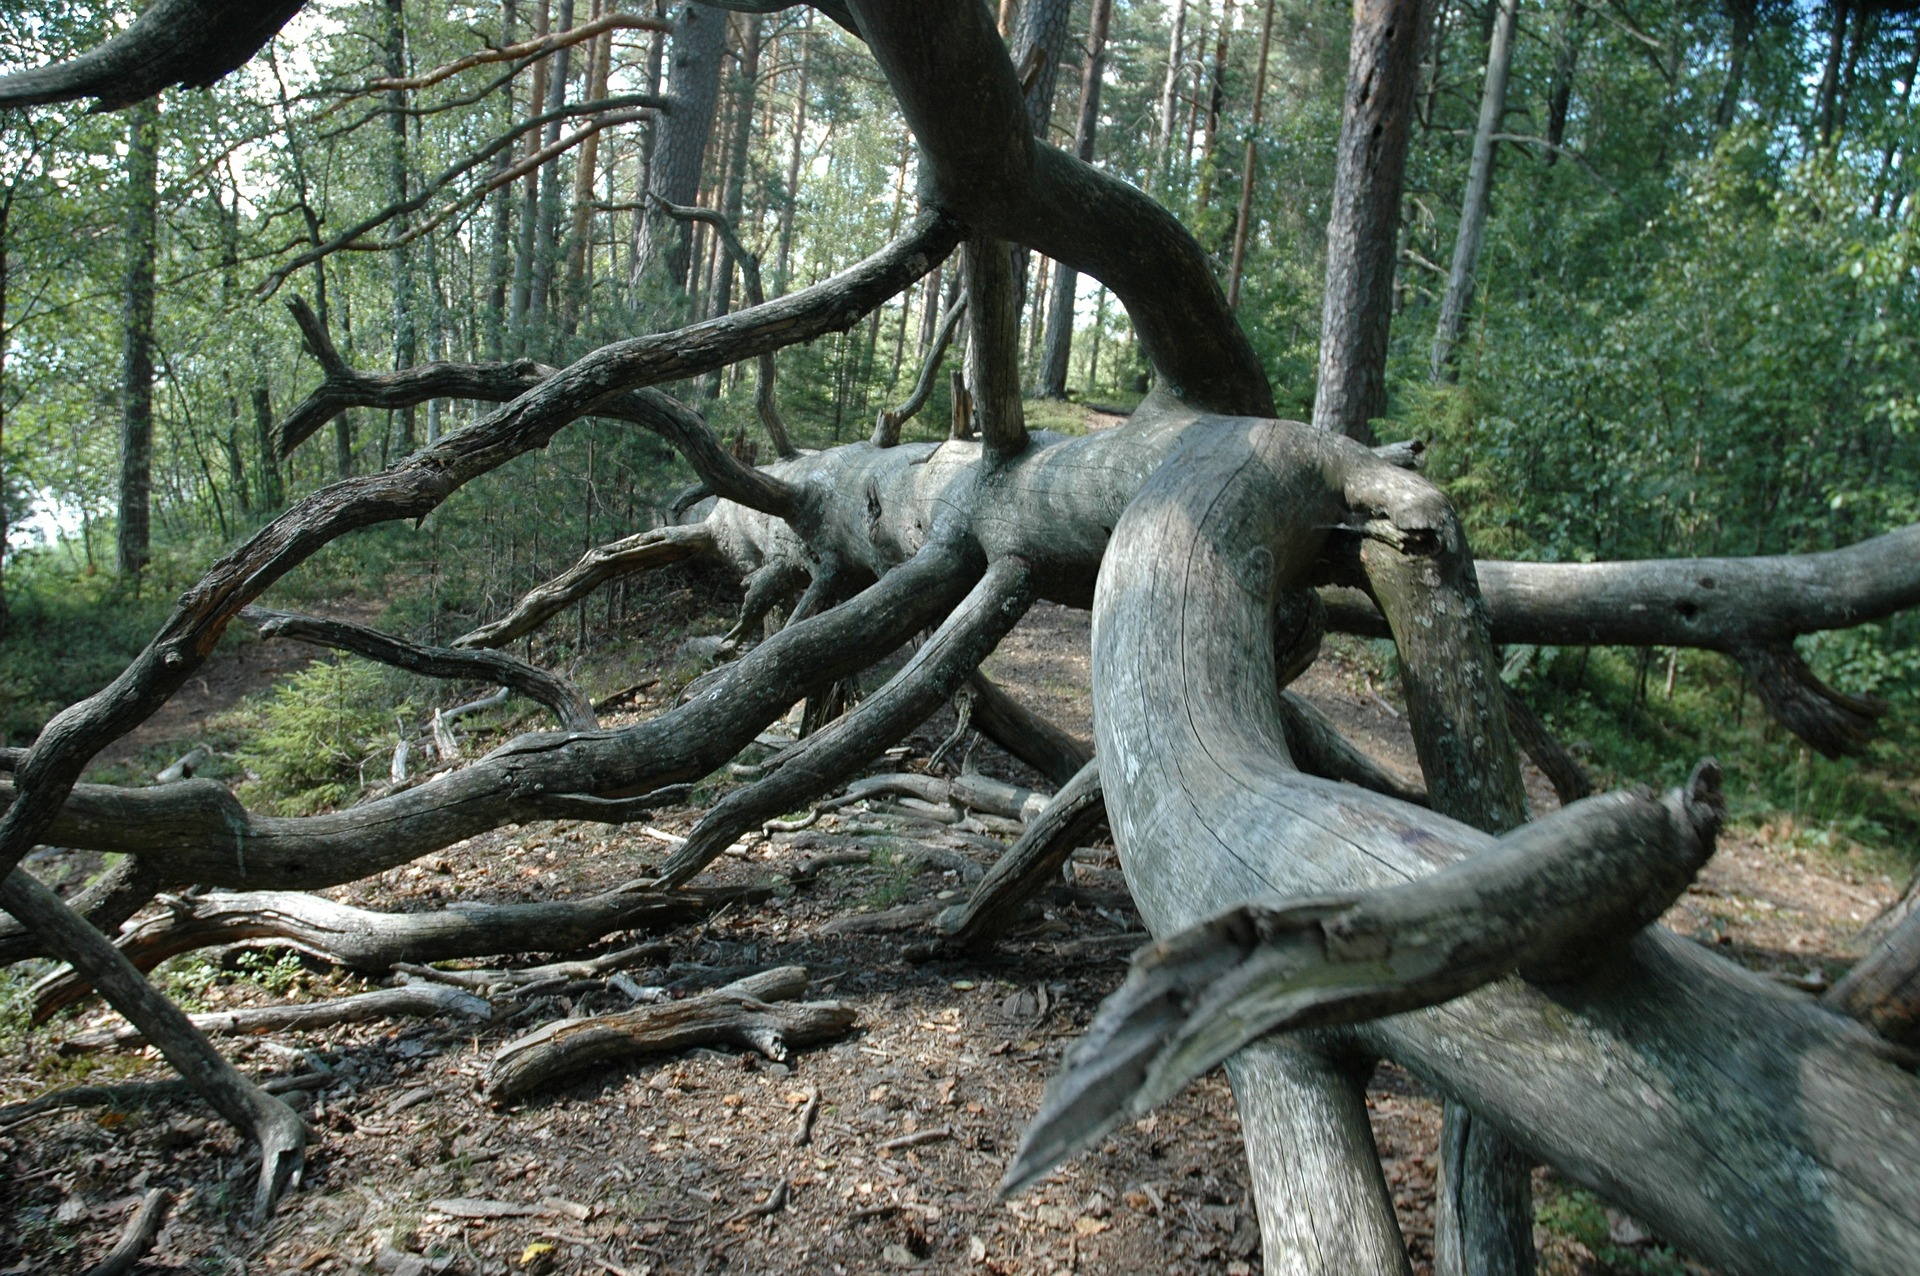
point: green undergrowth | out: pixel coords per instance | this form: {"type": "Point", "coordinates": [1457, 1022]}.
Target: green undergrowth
{"type": "Point", "coordinates": [1576, 1215]}
{"type": "Point", "coordinates": [1613, 708]}
{"type": "Point", "coordinates": [320, 734]}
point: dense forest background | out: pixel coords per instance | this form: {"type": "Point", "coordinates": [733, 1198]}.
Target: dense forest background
{"type": "Point", "coordinates": [1692, 328]}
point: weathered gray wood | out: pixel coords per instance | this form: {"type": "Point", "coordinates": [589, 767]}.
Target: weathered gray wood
{"type": "Point", "coordinates": [141, 1232]}
{"type": "Point", "coordinates": [1546, 900]}
{"type": "Point", "coordinates": [280, 1135]}
{"type": "Point", "coordinates": [739, 1014]}
{"type": "Point", "coordinates": [1031, 865]}
{"type": "Point", "coordinates": [122, 891]}
{"type": "Point", "coordinates": [637, 553]}
{"type": "Point", "coordinates": [365, 940]}
{"type": "Point", "coordinates": [1619, 1079]}
{"type": "Point", "coordinates": [829, 756]}
{"type": "Point", "coordinates": [993, 348]}
{"type": "Point", "coordinates": [1035, 740]}
{"type": "Point", "coordinates": [419, 1000]}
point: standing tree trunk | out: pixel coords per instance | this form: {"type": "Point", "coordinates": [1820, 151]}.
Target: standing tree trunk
{"type": "Point", "coordinates": [580, 233]}
{"type": "Point", "coordinates": [790, 196]}
{"type": "Point", "coordinates": [527, 245]}
{"type": "Point", "coordinates": [6, 209]}
{"type": "Point", "coordinates": [1216, 103]}
{"type": "Point", "coordinates": [1245, 211]}
{"type": "Point", "coordinates": [1039, 35]}
{"type": "Point", "coordinates": [1066, 281]}
{"type": "Point", "coordinates": [136, 330]}
{"type": "Point", "coordinates": [693, 89]}
{"type": "Point", "coordinates": [1566, 57]}
{"type": "Point", "coordinates": [736, 188]}
{"type": "Point", "coordinates": [546, 233]}
{"type": "Point", "coordinates": [405, 323]}
{"type": "Point", "coordinates": [1473, 208]}
{"type": "Point", "coordinates": [1383, 72]}
{"type": "Point", "coordinates": [1160, 174]}
{"type": "Point", "coordinates": [499, 256]}
{"type": "Point", "coordinates": [1741, 13]}
{"type": "Point", "coordinates": [1827, 97]}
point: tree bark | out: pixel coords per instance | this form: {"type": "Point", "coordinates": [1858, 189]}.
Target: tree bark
{"type": "Point", "coordinates": [1383, 71]}
{"type": "Point", "coordinates": [405, 303]}
{"type": "Point", "coordinates": [1473, 205]}
{"type": "Point", "coordinates": [1244, 214]}
{"type": "Point", "coordinates": [693, 88]}
{"type": "Point", "coordinates": [1059, 337]}
{"type": "Point", "coordinates": [136, 334]}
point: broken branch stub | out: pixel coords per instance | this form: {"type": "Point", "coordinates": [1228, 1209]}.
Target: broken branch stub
{"type": "Point", "coordinates": [1547, 900]}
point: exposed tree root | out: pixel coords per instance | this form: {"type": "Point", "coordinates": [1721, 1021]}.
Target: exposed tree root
{"type": "Point", "coordinates": [415, 1000]}
{"type": "Point", "coordinates": [190, 42]}
{"type": "Point", "coordinates": [364, 940]}
{"type": "Point", "coordinates": [1833, 722]}
{"type": "Point", "coordinates": [738, 1014]}
{"type": "Point", "coordinates": [558, 696]}
{"type": "Point", "coordinates": [1029, 736]}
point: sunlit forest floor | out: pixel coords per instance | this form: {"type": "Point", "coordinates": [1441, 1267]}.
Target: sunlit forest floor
{"type": "Point", "coordinates": [691, 1162]}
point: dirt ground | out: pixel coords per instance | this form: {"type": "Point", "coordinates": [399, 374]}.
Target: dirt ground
{"type": "Point", "coordinates": [692, 1163]}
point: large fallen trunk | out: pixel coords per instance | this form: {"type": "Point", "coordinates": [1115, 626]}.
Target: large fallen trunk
{"type": "Point", "coordinates": [1706, 1100]}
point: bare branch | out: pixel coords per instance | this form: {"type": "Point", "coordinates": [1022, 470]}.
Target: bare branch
{"type": "Point", "coordinates": [187, 42]}
{"type": "Point", "coordinates": [529, 49]}
{"type": "Point", "coordinates": [886, 430]}
{"type": "Point", "coordinates": [637, 553]}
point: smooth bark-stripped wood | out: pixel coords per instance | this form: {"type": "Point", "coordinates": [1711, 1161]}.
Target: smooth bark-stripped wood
{"type": "Point", "coordinates": [1546, 900]}
{"type": "Point", "coordinates": [361, 939]}
{"type": "Point", "coordinates": [640, 552]}
{"type": "Point", "coordinates": [1620, 1079]}
{"type": "Point", "coordinates": [655, 952]}
{"type": "Point", "coordinates": [559, 697]}
{"type": "Point", "coordinates": [828, 757]}
{"type": "Point", "coordinates": [186, 42]}
{"type": "Point", "coordinates": [1883, 988]}
{"type": "Point", "coordinates": [141, 1232]}
{"type": "Point", "coordinates": [752, 1013]}
{"type": "Point", "coordinates": [280, 1135]}
{"type": "Point", "coordinates": [415, 1000]}
{"type": "Point", "coordinates": [993, 348]}
{"type": "Point", "coordinates": [1483, 1200]}
{"type": "Point", "coordinates": [1318, 748]}
{"type": "Point", "coordinates": [1031, 865]}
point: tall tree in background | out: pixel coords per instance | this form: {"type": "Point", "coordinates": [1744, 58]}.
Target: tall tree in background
{"type": "Point", "coordinates": [406, 339]}
{"type": "Point", "coordinates": [1244, 214]}
{"type": "Point", "coordinates": [1066, 280]}
{"type": "Point", "coordinates": [1383, 72]}
{"type": "Point", "coordinates": [546, 230]}
{"type": "Point", "coordinates": [1473, 207]}
{"type": "Point", "coordinates": [136, 330]}
{"type": "Point", "coordinates": [698, 45]}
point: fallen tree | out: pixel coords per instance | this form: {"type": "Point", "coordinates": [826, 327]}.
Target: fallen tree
{"type": "Point", "coordinates": [1765, 1132]}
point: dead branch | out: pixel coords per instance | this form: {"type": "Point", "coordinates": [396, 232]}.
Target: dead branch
{"type": "Point", "coordinates": [1027, 735]}
{"type": "Point", "coordinates": [1562, 769]}
{"type": "Point", "coordinates": [122, 891]}
{"type": "Point", "coordinates": [422, 1000]}
{"type": "Point", "coordinates": [528, 49]}
{"type": "Point", "coordinates": [738, 1014]}
{"type": "Point", "coordinates": [1546, 900]}
{"type": "Point", "coordinates": [187, 42]}
{"type": "Point", "coordinates": [1830, 720]}
{"type": "Point", "coordinates": [1033, 863]}
{"type": "Point", "coordinates": [360, 939]}
{"type": "Point", "coordinates": [637, 553]}
{"type": "Point", "coordinates": [138, 1237]}
{"type": "Point", "coordinates": [909, 698]}
{"type": "Point", "coordinates": [565, 701]}
{"type": "Point", "coordinates": [763, 401]}
{"type": "Point", "coordinates": [653, 953]}
{"type": "Point", "coordinates": [993, 344]}
{"type": "Point", "coordinates": [886, 429]}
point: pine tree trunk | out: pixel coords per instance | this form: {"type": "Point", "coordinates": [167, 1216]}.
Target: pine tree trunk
{"type": "Point", "coordinates": [1383, 71]}
{"type": "Point", "coordinates": [1473, 208]}
{"type": "Point", "coordinates": [546, 234]}
{"type": "Point", "coordinates": [586, 169]}
{"type": "Point", "coordinates": [136, 328]}
{"type": "Point", "coordinates": [693, 87]}
{"type": "Point", "coordinates": [790, 197]}
{"type": "Point", "coordinates": [1160, 177]}
{"type": "Point", "coordinates": [405, 322]}
{"type": "Point", "coordinates": [527, 244]}
{"type": "Point", "coordinates": [1059, 338]}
